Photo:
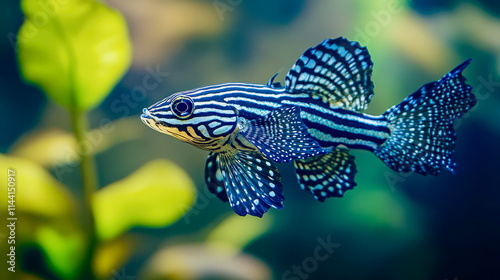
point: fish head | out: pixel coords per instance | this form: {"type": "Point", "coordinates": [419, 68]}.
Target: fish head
{"type": "Point", "coordinates": [206, 124]}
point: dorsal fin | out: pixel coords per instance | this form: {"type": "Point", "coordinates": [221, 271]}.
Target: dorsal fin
{"type": "Point", "coordinates": [336, 71]}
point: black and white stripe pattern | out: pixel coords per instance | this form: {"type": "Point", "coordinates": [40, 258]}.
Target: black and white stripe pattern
{"type": "Point", "coordinates": [246, 126]}
{"type": "Point", "coordinates": [337, 71]}
{"type": "Point", "coordinates": [215, 116]}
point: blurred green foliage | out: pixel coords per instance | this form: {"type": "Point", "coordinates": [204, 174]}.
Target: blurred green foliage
{"type": "Point", "coordinates": [76, 57]}
{"type": "Point", "coordinates": [48, 217]}
{"type": "Point", "coordinates": [77, 53]}
{"type": "Point", "coordinates": [144, 198]}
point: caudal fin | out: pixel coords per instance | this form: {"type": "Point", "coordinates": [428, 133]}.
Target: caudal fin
{"type": "Point", "coordinates": [422, 135]}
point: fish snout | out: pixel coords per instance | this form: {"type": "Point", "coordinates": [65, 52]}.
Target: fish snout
{"type": "Point", "coordinates": [147, 118]}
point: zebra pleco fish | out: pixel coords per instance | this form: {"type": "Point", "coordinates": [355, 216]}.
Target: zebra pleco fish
{"type": "Point", "coordinates": [313, 120]}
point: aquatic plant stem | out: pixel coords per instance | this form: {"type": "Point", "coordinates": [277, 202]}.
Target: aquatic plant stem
{"type": "Point", "coordinates": [87, 165]}
{"type": "Point", "coordinates": [89, 183]}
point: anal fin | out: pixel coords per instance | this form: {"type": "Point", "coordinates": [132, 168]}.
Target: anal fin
{"type": "Point", "coordinates": [327, 175]}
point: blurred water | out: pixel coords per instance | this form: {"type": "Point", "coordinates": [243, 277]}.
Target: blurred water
{"type": "Point", "coordinates": [390, 226]}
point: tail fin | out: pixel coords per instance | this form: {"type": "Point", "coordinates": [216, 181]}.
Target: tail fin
{"type": "Point", "coordinates": [422, 136]}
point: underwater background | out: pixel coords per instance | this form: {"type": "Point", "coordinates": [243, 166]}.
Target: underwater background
{"type": "Point", "coordinates": [154, 217]}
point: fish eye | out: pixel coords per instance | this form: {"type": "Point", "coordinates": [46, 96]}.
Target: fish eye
{"type": "Point", "coordinates": [182, 107]}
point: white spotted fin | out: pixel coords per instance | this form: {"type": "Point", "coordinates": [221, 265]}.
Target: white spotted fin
{"type": "Point", "coordinates": [281, 135]}
{"type": "Point", "coordinates": [422, 135]}
{"type": "Point", "coordinates": [213, 177]}
{"type": "Point", "coordinates": [337, 71]}
{"type": "Point", "coordinates": [327, 175]}
{"type": "Point", "coordinates": [247, 179]}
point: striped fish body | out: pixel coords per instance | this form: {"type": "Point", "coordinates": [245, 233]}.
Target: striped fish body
{"type": "Point", "coordinates": [313, 120]}
{"type": "Point", "coordinates": [329, 126]}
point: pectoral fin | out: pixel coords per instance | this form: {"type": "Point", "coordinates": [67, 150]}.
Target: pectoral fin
{"type": "Point", "coordinates": [281, 135]}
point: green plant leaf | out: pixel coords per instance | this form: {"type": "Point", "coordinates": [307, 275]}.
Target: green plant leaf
{"type": "Point", "coordinates": [155, 195]}
{"type": "Point", "coordinates": [45, 212]}
{"type": "Point", "coordinates": [75, 50]}
{"type": "Point", "coordinates": [37, 193]}
{"type": "Point", "coordinates": [111, 255]}
{"type": "Point", "coordinates": [46, 147]}
{"type": "Point", "coordinates": [63, 245]}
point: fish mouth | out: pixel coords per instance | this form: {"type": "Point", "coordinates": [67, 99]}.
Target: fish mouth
{"type": "Point", "coordinates": [151, 121]}
{"type": "Point", "coordinates": [146, 113]}
{"type": "Point", "coordinates": [147, 118]}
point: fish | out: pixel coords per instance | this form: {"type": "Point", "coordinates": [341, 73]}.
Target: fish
{"type": "Point", "coordinates": [314, 120]}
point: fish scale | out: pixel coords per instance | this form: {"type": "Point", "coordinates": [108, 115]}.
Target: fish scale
{"type": "Point", "coordinates": [314, 120]}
